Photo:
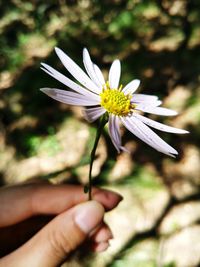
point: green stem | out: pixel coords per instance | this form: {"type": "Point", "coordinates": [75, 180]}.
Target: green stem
{"type": "Point", "coordinates": [103, 121]}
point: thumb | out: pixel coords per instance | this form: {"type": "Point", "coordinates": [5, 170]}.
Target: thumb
{"type": "Point", "coordinates": [51, 245]}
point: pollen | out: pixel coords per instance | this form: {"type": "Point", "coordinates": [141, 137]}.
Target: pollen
{"type": "Point", "coordinates": [115, 101]}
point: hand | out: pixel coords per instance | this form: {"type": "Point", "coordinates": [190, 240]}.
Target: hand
{"type": "Point", "coordinates": [43, 223]}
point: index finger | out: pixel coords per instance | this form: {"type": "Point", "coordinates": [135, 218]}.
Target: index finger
{"type": "Point", "coordinates": [20, 202]}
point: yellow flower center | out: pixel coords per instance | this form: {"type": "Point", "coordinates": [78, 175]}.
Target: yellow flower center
{"type": "Point", "coordinates": [115, 101]}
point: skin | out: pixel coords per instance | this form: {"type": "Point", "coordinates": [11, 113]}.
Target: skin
{"type": "Point", "coordinates": [38, 216]}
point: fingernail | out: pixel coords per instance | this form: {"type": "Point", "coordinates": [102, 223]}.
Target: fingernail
{"type": "Point", "coordinates": [110, 193]}
{"type": "Point", "coordinates": [89, 215]}
{"type": "Point", "coordinates": [103, 235]}
{"type": "Point", "coordinates": [102, 247]}
{"type": "Point", "coordinates": [120, 197]}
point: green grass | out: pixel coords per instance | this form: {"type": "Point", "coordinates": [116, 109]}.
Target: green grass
{"type": "Point", "coordinates": [48, 145]}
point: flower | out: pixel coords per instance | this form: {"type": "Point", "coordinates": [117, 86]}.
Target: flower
{"type": "Point", "coordinates": [121, 104]}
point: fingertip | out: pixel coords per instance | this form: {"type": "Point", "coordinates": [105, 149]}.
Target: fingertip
{"type": "Point", "coordinates": [104, 234]}
{"type": "Point", "coordinates": [101, 247]}
{"type": "Point", "coordinates": [109, 199]}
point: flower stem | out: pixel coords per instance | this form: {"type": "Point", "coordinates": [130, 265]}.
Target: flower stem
{"type": "Point", "coordinates": [103, 121]}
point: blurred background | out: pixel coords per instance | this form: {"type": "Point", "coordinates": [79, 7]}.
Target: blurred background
{"type": "Point", "coordinates": [158, 42]}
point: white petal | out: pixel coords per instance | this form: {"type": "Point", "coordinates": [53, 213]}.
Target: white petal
{"type": "Point", "coordinates": [114, 132]}
{"type": "Point", "coordinates": [156, 110]}
{"type": "Point", "coordinates": [147, 105]}
{"type": "Point", "coordinates": [113, 128]}
{"type": "Point", "coordinates": [143, 98]}
{"type": "Point", "coordinates": [89, 66]}
{"type": "Point", "coordinates": [156, 103]}
{"type": "Point", "coordinates": [114, 74]}
{"type": "Point", "coordinates": [69, 98]}
{"type": "Point", "coordinates": [76, 71]}
{"type": "Point", "coordinates": [159, 126]}
{"type": "Point", "coordinates": [92, 114]}
{"type": "Point", "coordinates": [69, 83]}
{"type": "Point", "coordinates": [99, 74]}
{"type": "Point", "coordinates": [143, 132]}
{"type": "Point", "coordinates": [131, 87]}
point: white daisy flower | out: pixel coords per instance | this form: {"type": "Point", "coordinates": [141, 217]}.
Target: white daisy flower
{"type": "Point", "coordinates": [121, 104]}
